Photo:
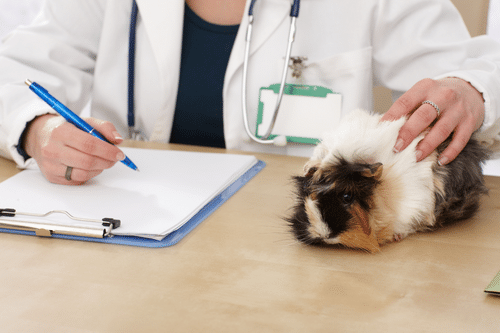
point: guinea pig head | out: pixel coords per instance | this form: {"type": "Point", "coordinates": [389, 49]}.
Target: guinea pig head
{"type": "Point", "coordinates": [334, 203]}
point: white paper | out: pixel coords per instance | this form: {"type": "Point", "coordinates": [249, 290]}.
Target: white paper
{"type": "Point", "coordinates": [492, 168]}
{"type": "Point", "coordinates": [171, 187]}
{"type": "Point", "coordinates": [300, 116]}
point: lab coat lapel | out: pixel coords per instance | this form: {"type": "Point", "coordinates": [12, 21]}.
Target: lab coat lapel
{"type": "Point", "coordinates": [163, 21]}
{"type": "Point", "coordinates": [268, 15]}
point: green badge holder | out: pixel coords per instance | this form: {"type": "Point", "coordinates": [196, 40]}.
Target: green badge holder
{"type": "Point", "coordinates": [316, 97]}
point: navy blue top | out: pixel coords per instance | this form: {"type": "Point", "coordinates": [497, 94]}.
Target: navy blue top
{"type": "Point", "coordinates": [205, 53]}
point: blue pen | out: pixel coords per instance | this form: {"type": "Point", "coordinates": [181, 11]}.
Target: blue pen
{"type": "Point", "coordinates": [70, 116]}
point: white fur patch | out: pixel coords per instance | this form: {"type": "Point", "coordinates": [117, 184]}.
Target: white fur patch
{"type": "Point", "coordinates": [318, 228]}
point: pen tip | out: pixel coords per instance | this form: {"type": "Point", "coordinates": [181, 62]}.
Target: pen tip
{"type": "Point", "coordinates": [28, 82]}
{"type": "Point", "coordinates": [137, 169]}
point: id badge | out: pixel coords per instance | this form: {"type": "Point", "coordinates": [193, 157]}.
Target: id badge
{"type": "Point", "coordinates": [306, 112]}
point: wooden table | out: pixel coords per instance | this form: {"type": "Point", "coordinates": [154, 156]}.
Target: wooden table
{"type": "Point", "coordinates": [242, 271]}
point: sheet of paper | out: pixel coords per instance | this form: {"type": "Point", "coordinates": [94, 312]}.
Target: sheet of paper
{"type": "Point", "coordinates": [492, 168]}
{"type": "Point", "coordinates": [291, 120]}
{"type": "Point", "coordinates": [169, 189]}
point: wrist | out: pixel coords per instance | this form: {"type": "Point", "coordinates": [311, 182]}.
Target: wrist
{"type": "Point", "coordinates": [30, 136]}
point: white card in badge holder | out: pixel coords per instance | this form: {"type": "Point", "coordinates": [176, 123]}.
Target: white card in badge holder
{"type": "Point", "coordinates": [306, 112]}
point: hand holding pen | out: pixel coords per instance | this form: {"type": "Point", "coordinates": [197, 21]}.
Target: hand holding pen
{"type": "Point", "coordinates": [65, 153]}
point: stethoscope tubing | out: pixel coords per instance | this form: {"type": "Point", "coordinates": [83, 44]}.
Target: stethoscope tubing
{"type": "Point", "coordinates": [294, 12]}
{"type": "Point", "coordinates": [131, 70]}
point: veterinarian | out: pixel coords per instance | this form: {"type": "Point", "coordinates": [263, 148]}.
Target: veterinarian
{"type": "Point", "coordinates": [188, 74]}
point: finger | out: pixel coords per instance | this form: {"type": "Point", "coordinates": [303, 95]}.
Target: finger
{"type": "Point", "coordinates": [74, 180]}
{"type": "Point", "coordinates": [107, 129]}
{"type": "Point", "coordinates": [419, 121]}
{"type": "Point", "coordinates": [57, 174]}
{"type": "Point", "coordinates": [77, 176]}
{"type": "Point", "coordinates": [460, 139]}
{"type": "Point", "coordinates": [409, 101]}
{"type": "Point", "coordinates": [436, 135]}
{"type": "Point", "coordinates": [90, 145]}
{"type": "Point", "coordinates": [84, 161]}
{"type": "Point", "coordinates": [55, 171]}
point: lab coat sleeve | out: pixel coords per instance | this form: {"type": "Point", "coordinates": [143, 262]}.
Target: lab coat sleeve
{"type": "Point", "coordinates": [482, 71]}
{"type": "Point", "coordinates": [57, 51]}
{"type": "Point", "coordinates": [440, 46]}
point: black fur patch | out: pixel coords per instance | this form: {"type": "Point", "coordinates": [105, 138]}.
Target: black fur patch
{"type": "Point", "coordinates": [299, 221]}
{"type": "Point", "coordinates": [463, 182]}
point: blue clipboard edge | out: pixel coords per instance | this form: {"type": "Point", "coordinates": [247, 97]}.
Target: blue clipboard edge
{"type": "Point", "coordinates": [175, 236]}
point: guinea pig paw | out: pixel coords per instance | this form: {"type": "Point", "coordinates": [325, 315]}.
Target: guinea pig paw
{"type": "Point", "coordinates": [398, 237]}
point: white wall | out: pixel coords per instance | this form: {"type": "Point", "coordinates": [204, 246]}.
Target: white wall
{"type": "Point", "coordinates": [17, 12]}
{"type": "Point", "coordinates": [21, 12]}
{"type": "Point", "coordinates": [493, 28]}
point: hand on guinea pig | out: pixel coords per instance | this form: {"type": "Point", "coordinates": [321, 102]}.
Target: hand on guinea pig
{"type": "Point", "coordinates": [451, 104]}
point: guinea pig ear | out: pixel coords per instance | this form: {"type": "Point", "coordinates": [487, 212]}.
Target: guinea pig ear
{"type": "Point", "coordinates": [373, 171]}
{"type": "Point", "coordinates": [310, 168]}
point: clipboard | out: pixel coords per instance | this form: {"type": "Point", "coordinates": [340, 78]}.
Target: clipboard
{"type": "Point", "coordinates": [103, 230]}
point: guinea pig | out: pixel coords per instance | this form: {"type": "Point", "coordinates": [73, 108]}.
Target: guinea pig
{"type": "Point", "coordinates": [357, 192]}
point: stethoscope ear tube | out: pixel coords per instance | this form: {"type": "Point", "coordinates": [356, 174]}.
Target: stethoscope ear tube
{"type": "Point", "coordinates": [244, 84]}
{"type": "Point", "coordinates": [280, 140]}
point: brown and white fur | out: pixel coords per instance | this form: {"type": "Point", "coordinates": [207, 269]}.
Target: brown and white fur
{"type": "Point", "coordinates": [357, 192]}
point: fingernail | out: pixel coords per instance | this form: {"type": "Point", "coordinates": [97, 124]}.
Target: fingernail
{"type": "Point", "coordinates": [442, 161]}
{"type": "Point", "coordinates": [120, 156]}
{"type": "Point", "coordinates": [398, 146]}
{"type": "Point", "coordinates": [117, 136]}
{"type": "Point", "coordinates": [418, 155]}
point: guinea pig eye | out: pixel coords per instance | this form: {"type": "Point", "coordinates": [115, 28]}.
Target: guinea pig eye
{"type": "Point", "coordinates": [347, 198]}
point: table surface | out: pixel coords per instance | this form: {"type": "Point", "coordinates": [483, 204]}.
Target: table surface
{"type": "Point", "coordinates": [242, 271]}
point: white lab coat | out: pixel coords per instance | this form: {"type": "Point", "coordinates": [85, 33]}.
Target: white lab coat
{"type": "Point", "coordinates": [78, 50]}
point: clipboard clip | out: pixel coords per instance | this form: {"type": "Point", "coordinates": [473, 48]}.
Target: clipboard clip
{"type": "Point", "coordinates": [89, 227]}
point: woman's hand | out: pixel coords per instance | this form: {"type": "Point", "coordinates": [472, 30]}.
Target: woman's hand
{"type": "Point", "coordinates": [56, 145]}
{"type": "Point", "coordinates": [461, 113]}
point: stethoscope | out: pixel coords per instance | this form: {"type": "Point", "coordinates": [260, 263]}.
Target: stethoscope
{"type": "Point", "coordinates": [132, 131]}
{"type": "Point", "coordinates": [280, 140]}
